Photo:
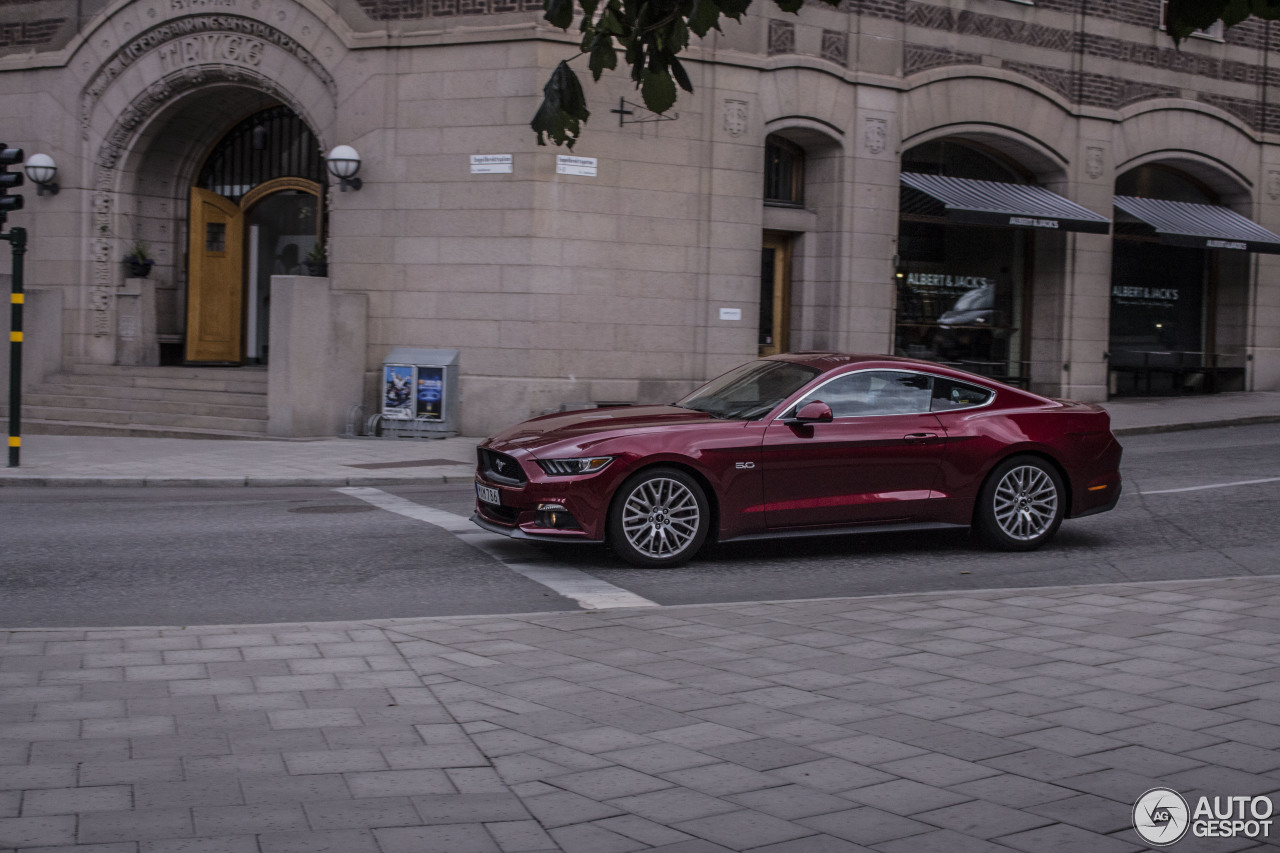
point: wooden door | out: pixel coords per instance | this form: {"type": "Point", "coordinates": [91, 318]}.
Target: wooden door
{"type": "Point", "coordinates": [775, 294]}
{"type": "Point", "coordinates": [215, 279]}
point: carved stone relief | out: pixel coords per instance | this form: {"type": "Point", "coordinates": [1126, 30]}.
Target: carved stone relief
{"type": "Point", "coordinates": [735, 117]}
{"type": "Point", "coordinates": [1094, 162]}
{"type": "Point", "coordinates": [227, 41]}
{"type": "Point", "coordinates": [835, 46]}
{"type": "Point", "coordinates": [875, 134]}
{"type": "Point", "coordinates": [782, 37]}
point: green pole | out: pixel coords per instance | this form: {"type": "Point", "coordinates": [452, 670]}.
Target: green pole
{"type": "Point", "coordinates": [17, 238]}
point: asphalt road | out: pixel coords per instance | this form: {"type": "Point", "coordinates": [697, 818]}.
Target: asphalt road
{"type": "Point", "coordinates": [170, 556]}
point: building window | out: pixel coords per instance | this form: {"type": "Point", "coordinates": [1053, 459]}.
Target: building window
{"type": "Point", "coordinates": [274, 143]}
{"type": "Point", "coordinates": [215, 237]}
{"type": "Point", "coordinates": [783, 172]}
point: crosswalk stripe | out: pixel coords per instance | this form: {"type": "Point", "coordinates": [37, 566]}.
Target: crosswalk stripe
{"type": "Point", "coordinates": [590, 592]}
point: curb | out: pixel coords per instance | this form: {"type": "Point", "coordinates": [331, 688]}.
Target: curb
{"type": "Point", "coordinates": [1192, 425]}
{"type": "Point", "coordinates": [72, 481]}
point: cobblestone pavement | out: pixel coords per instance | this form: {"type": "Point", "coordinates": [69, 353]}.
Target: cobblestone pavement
{"type": "Point", "coordinates": [975, 721]}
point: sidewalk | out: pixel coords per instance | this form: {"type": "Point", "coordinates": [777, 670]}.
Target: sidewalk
{"type": "Point", "coordinates": [976, 721]}
{"type": "Point", "coordinates": [92, 460]}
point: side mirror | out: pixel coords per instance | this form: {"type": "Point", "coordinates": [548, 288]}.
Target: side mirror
{"type": "Point", "coordinates": [814, 411]}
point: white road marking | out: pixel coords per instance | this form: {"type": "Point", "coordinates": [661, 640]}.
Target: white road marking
{"type": "Point", "coordinates": [590, 592]}
{"type": "Point", "coordinates": [1212, 486]}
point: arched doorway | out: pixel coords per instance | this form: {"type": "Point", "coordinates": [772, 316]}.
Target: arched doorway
{"type": "Point", "coordinates": [256, 210]}
{"type": "Point", "coordinates": [784, 163]}
{"type": "Point", "coordinates": [800, 246]}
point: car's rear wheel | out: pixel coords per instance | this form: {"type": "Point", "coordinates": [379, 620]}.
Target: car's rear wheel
{"type": "Point", "coordinates": [1021, 504]}
{"type": "Point", "coordinates": [659, 518]}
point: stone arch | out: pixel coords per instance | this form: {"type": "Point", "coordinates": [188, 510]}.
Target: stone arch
{"type": "Point", "coordinates": [1174, 136]}
{"type": "Point", "coordinates": [994, 112]}
{"type": "Point", "coordinates": [803, 97]}
{"type": "Point", "coordinates": [132, 110]}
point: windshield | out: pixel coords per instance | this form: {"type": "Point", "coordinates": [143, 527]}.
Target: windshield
{"type": "Point", "coordinates": [750, 391]}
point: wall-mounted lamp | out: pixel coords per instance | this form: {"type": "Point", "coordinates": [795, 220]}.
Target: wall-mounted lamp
{"type": "Point", "coordinates": [41, 169]}
{"type": "Point", "coordinates": [343, 163]}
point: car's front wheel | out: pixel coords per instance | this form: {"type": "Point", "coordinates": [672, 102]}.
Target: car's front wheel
{"type": "Point", "coordinates": [1021, 504]}
{"type": "Point", "coordinates": [659, 518]}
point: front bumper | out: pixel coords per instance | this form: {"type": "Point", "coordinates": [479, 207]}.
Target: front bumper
{"type": "Point", "coordinates": [529, 535]}
{"type": "Point", "coordinates": [516, 514]}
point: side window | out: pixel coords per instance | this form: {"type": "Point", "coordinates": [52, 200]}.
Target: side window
{"type": "Point", "coordinates": [948, 394]}
{"type": "Point", "coordinates": [875, 392]}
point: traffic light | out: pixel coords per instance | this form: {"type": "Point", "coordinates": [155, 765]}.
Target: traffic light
{"type": "Point", "coordinates": [10, 180]}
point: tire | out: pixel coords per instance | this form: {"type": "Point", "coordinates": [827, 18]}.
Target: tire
{"type": "Point", "coordinates": [659, 518]}
{"type": "Point", "coordinates": [1021, 504]}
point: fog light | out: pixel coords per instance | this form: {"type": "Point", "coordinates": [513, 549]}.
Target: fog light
{"type": "Point", "coordinates": [557, 517]}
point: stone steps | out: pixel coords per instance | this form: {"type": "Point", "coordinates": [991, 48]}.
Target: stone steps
{"type": "Point", "coordinates": [149, 401]}
{"type": "Point", "coordinates": [103, 396]}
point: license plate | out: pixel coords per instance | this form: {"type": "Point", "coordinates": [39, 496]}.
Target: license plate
{"type": "Point", "coordinates": [488, 494]}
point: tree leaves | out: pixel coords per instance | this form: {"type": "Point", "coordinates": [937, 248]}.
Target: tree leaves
{"type": "Point", "coordinates": [650, 34]}
{"type": "Point", "coordinates": [558, 12]}
{"type": "Point", "coordinates": [1184, 17]}
{"type": "Point", "coordinates": [563, 107]}
{"type": "Point", "coordinates": [658, 90]}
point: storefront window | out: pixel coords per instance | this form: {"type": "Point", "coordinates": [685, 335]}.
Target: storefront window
{"type": "Point", "coordinates": [1159, 312]}
{"type": "Point", "coordinates": [962, 295]}
{"type": "Point", "coordinates": [1157, 315]}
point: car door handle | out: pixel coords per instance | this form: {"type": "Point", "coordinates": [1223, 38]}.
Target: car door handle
{"type": "Point", "coordinates": [920, 437]}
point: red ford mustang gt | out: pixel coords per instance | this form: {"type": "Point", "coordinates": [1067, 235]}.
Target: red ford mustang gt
{"type": "Point", "coordinates": [802, 444]}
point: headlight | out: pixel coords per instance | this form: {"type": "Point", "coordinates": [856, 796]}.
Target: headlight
{"type": "Point", "coordinates": [569, 467]}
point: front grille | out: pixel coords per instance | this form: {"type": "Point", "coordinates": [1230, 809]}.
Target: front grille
{"type": "Point", "coordinates": [501, 468]}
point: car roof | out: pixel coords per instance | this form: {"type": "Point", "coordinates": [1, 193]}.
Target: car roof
{"type": "Point", "coordinates": [825, 360]}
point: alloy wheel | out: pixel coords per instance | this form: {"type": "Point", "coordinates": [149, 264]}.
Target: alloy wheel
{"type": "Point", "coordinates": [661, 517]}
{"type": "Point", "coordinates": [1026, 503]}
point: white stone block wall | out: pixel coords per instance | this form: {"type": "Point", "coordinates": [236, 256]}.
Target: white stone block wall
{"type": "Point", "coordinates": [562, 289]}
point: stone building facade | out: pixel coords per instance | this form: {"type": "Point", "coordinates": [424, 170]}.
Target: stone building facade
{"type": "Point", "coordinates": [769, 212]}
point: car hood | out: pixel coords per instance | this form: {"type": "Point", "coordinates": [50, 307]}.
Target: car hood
{"type": "Point", "coordinates": [591, 426]}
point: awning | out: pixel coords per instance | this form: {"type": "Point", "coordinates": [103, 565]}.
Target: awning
{"type": "Point", "coordinates": [1201, 226]}
{"type": "Point", "coordinates": [994, 203]}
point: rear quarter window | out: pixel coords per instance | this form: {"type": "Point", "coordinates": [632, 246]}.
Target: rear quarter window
{"type": "Point", "coordinates": [950, 394]}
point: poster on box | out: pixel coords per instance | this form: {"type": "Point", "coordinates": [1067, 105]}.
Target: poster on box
{"type": "Point", "coordinates": [397, 391]}
{"type": "Point", "coordinates": [430, 396]}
